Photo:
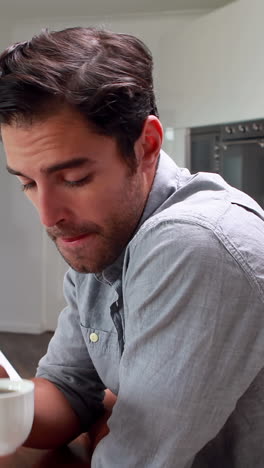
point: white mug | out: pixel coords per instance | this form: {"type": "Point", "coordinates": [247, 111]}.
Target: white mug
{"type": "Point", "coordinates": [16, 413]}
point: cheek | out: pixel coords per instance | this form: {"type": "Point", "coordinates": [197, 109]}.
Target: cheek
{"type": "Point", "coordinates": [104, 206]}
{"type": "Point", "coordinates": [89, 205]}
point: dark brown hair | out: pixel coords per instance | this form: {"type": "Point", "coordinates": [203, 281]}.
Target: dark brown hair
{"type": "Point", "coordinates": [106, 76]}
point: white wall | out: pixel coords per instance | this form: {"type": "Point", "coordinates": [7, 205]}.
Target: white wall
{"type": "Point", "coordinates": [219, 75]}
{"type": "Point", "coordinates": [20, 253]}
{"type": "Point", "coordinates": [20, 248]}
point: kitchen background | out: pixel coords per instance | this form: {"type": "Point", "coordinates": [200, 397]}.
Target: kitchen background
{"type": "Point", "coordinates": [209, 69]}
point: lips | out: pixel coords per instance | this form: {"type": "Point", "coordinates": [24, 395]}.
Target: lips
{"type": "Point", "coordinates": [74, 239]}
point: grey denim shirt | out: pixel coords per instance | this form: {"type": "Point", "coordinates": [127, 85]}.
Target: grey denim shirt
{"type": "Point", "coordinates": [175, 328]}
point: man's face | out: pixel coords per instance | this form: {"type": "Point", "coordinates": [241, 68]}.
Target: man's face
{"type": "Point", "coordinates": [86, 196]}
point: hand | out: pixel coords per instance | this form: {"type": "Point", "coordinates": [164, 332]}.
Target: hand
{"type": "Point", "coordinates": [100, 429]}
{"type": "Point", "coordinates": [3, 373]}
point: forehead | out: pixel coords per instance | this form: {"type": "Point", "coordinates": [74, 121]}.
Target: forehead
{"type": "Point", "coordinates": [58, 137]}
{"type": "Point", "coordinates": [34, 149]}
{"type": "Point", "coordinates": [54, 129]}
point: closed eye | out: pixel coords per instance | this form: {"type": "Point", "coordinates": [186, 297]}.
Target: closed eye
{"type": "Point", "coordinates": [68, 183]}
{"type": "Point", "coordinates": [27, 186]}
{"type": "Point", "coordinates": [78, 183]}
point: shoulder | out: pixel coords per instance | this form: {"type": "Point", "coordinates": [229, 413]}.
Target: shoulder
{"type": "Point", "coordinates": [191, 222]}
{"type": "Point", "coordinates": [206, 212]}
{"type": "Point", "coordinates": [170, 241]}
{"type": "Point", "coordinates": [204, 231]}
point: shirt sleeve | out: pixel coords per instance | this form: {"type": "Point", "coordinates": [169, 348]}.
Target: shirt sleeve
{"type": "Point", "coordinates": [68, 365]}
{"type": "Point", "coordinates": [193, 344]}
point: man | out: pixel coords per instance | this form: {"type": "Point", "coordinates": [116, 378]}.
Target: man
{"type": "Point", "coordinates": [165, 287]}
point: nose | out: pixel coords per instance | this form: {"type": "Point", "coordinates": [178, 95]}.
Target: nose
{"type": "Point", "coordinates": [51, 208]}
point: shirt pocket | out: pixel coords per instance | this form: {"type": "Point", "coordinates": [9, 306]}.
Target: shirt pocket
{"type": "Point", "coordinates": [104, 352]}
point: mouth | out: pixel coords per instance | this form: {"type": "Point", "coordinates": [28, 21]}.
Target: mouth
{"type": "Point", "coordinates": [76, 240]}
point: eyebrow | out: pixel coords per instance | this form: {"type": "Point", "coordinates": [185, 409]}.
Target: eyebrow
{"type": "Point", "coordinates": [70, 164]}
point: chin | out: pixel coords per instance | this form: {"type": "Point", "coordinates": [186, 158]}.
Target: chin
{"type": "Point", "coordinates": [92, 264]}
{"type": "Point", "coordinates": [82, 266]}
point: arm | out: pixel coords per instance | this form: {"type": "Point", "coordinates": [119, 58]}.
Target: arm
{"type": "Point", "coordinates": [69, 393]}
{"type": "Point", "coordinates": [100, 429]}
{"type": "Point", "coordinates": [55, 422]}
{"type": "Point", "coordinates": [193, 332]}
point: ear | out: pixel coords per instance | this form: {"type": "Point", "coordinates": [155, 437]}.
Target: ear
{"type": "Point", "coordinates": [148, 145]}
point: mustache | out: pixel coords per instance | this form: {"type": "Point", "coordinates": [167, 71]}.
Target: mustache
{"type": "Point", "coordinates": [71, 230]}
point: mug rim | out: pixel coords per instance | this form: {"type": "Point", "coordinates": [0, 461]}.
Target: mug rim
{"type": "Point", "coordinates": [23, 387]}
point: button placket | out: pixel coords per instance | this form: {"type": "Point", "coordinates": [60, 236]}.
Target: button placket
{"type": "Point", "coordinates": [115, 314]}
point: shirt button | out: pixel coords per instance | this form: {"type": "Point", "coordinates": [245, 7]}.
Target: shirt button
{"type": "Point", "coordinates": [94, 337]}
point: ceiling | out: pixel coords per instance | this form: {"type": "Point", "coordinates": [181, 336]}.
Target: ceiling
{"type": "Point", "coordinates": [62, 8]}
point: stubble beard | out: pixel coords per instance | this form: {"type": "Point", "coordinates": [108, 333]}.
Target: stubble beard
{"type": "Point", "coordinates": [110, 239]}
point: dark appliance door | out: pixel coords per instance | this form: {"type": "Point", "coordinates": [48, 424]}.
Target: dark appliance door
{"type": "Point", "coordinates": [241, 164]}
{"type": "Point", "coordinates": [203, 148]}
